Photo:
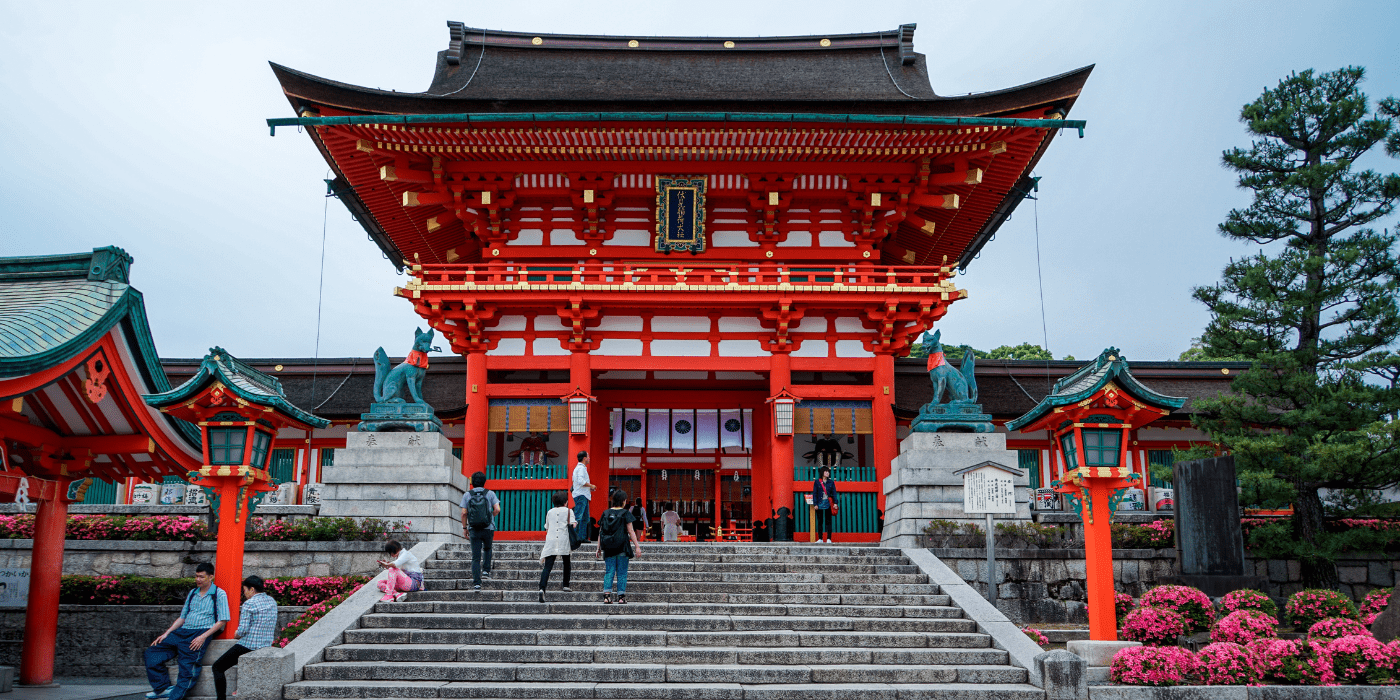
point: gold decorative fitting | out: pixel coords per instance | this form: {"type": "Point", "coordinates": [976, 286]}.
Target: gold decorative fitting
{"type": "Point", "coordinates": [874, 199]}
{"type": "Point", "coordinates": [866, 254]}
{"type": "Point", "coordinates": [592, 251]}
{"type": "Point", "coordinates": [588, 196]}
{"type": "Point", "coordinates": [277, 368]}
{"type": "Point", "coordinates": [772, 199]}
{"type": "Point", "coordinates": [1112, 358]}
{"type": "Point", "coordinates": [1224, 370]}
{"type": "Point", "coordinates": [728, 44]}
{"type": "Point", "coordinates": [495, 251]}
{"type": "Point", "coordinates": [632, 44]}
{"type": "Point", "coordinates": [825, 43]}
{"type": "Point", "coordinates": [537, 41]}
{"type": "Point", "coordinates": [769, 254]}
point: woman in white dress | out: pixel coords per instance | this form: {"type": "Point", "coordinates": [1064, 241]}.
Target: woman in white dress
{"type": "Point", "coordinates": [556, 540]}
{"type": "Point", "coordinates": [670, 524]}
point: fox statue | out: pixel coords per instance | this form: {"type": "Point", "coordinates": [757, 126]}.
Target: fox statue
{"type": "Point", "coordinates": [960, 386]}
{"type": "Point", "coordinates": [404, 382]}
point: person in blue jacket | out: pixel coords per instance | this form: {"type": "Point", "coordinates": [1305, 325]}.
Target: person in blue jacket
{"type": "Point", "coordinates": [824, 498]}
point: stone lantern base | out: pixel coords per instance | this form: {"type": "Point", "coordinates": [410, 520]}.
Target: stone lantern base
{"type": "Point", "coordinates": [922, 485]}
{"type": "Point", "coordinates": [406, 476]}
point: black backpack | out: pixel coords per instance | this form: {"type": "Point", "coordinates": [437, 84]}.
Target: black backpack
{"type": "Point", "coordinates": [478, 510]}
{"type": "Point", "coordinates": [612, 530]}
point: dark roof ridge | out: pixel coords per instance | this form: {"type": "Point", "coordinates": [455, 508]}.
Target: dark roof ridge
{"type": "Point", "coordinates": [106, 264]}
{"type": "Point", "coordinates": [901, 38]}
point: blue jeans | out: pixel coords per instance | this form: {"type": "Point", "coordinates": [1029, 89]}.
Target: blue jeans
{"type": "Point", "coordinates": [615, 565]}
{"type": "Point", "coordinates": [581, 515]}
{"type": "Point", "coordinates": [481, 540]}
{"type": "Point", "coordinates": [177, 646]}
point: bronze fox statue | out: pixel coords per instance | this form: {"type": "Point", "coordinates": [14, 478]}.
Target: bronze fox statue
{"type": "Point", "coordinates": [404, 382]}
{"type": "Point", "coordinates": [960, 386]}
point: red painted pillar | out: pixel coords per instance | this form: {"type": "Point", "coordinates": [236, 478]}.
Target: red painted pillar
{"type": "Point", "coordinates": [599, 466]}
{"type": "Point", "coordinates": [761, 466]}
{"type": "Point", "coordinates": [885, 441]}
{"type": "Point", "coordinates": [228, 558]}
{"type": "Point", "coordinates": [1098, 563]}
{"type": "Point", "coordinates": [478, 415]}
{"type": "Point", "coordinates": [780, 469]}
{"type": "Point", "coordinates": [45, 569]}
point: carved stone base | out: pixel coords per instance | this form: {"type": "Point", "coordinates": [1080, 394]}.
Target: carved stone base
{"type": "Point", "coordinates": [952, 418]}
{"type": "Point", "coordinates": [399, 417]}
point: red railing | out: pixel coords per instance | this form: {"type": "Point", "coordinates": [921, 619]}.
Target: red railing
{"type": "Point", "coordinates": [661, 273]}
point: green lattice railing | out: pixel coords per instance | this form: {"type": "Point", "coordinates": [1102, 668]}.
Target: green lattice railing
{"type": "Point", "coordinates": [842, 473]}
{"type": "Point", "coordinates": [523, 511]}
{"type": "Point", "coordinates": [518, 472]}
{"type": "Point", "coordinates": [858, 513]}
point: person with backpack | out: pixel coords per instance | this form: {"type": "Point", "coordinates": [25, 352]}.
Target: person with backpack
{"type": "Point", "coordinates": [479, 510]}
{"type": "Point", "coordinates": [639, 514]}
{"type": "Point", "coordinates": [203, 615]}
{"type": "Point", "coordinates": [617, 543]}
{"type": "Point", "coordinates": [405, 573]}
{"type": "Point", "coordinates": [557, 542]}
{"type": "Point", "coordinates": [824, 498]}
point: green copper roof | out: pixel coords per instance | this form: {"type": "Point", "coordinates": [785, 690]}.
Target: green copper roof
{"type": "Point", "coordinates": [1088, 380]}
{"type": "Point", "coordinates": [247, 383]}
{"type": "Point", "coordinates": [53, 307]}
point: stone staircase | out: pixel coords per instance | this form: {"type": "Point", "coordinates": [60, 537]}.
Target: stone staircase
{"type": "Point", "coordinates": [703, 622]}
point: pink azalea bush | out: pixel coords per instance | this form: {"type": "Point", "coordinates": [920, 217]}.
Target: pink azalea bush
{"type": "Point", "coordinates": [1373, 604]}
{"type": "Point", "coordinates": [1036, 636]}
{"type": "Point", "coordinates": [1294, 661]}
{"type": "Point", "coordinates": [1243, 627]}
{"type": "Point", "coordinates": [309, 618]}
{"type": "Point", "coordinates": [1248, 599]}
{"type": "Point", "coordinates": [159, 528]}
{"type": "Point", "coordinates": [1335, 627]}
{"type": "Point", "coordinates": [1154, 626]}
{"type": "Point", "coordinates": [1190, 602]}
{"type": "Point", "coordinates": [310, 590]}
{"type": "Point", "coordinates": [1362, 660]}
{"type": "Point", "coordinates": [1122, 605]}
{"type": "Point", "coordinates": [1227, 663]}
{"type": "Point", "coordinates": [1315, 604]}
{"type": "Point", "coordinates": [1154, 666]}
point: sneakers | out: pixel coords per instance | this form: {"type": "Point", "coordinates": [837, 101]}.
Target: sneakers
{"type": "Point", "coordinates": [477, 587]}
{"type": "Point", "coordinates": [160, 693]}
{"type": "Point", "coordinates": [568, 590]}
{"type": "Point", "coordinates": [541, 596]}
{"type": "Point", "coordinates": [388, 598]}
{"type": "Point", "coordinates": [400, 597]}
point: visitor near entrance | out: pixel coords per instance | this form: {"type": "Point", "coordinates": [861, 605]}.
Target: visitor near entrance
{"type": "Point", "coordinates": [479, 510]}
{"type": "Point", "coordinates": [405, 573]}
{"type": "Point", "coordinates": [670, 523]}
{"type": "Point", "coordinates": [824, 498]}
{"type": "Point", "coordinates": [257, 624]}
{"type": "Point", "coordinates": [556, 541]}
{"type": "Point", "coordinates": [617, 543]}
{"type": "Point", "coordinates": [203, 615]}
{"type": "Point", "coordinates": [639, 512]}
{"type": "Point", "coordinates": [583, 490]}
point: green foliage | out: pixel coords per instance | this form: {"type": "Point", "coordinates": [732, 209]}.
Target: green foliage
{"type": "Point", "coordinates": [1032, 535]}
{"type": "Point", "coordinates": [946, 533]}
{"type": "Point", "coordinates": [325, 530]}
{"type": "Point", "coordinates": [1199, 352]}
{"type": "Point", "coordinates": [1315, 312]}
{"type": "Point", "coordinates": [141, 590]}
{"type": "Point", "coordinates": [955, 353]}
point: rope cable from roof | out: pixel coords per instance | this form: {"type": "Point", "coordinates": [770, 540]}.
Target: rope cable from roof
{"type": "Point", "coordinates": [1040, 279]}
{"type": "Point", "coordinates": [474, 70]}
{"type": "Point", "coordinates": [888, 72]}
{"type": "Point", "coordinates": [338, 387]}
{"type": "Point", "coordinates": [321, 286]}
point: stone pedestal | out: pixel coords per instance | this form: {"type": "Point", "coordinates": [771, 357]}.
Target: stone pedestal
{"type": "Point", "coordinates": [405, 476]}
{"type": "Point", "coordinates": [1097, 655]}
{"type": "Point", "coordinates": [922, 485]}
{"type": "Point", "coordinates": [204, 685]}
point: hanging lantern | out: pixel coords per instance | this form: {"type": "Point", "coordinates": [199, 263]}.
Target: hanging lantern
{"type": "Point", "coordinates": [697, 474]}
{"type": "Point", "coordinates": [663, 474]}
{"type": "Point", "coordinates": [578, 411]}
{"type": "Point", "coordinates": [783, 405]}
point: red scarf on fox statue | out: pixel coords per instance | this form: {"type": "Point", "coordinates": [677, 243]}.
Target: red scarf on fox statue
{"type": "Point", "coordinates": [418, 358]}
{"type": "Point", "coordinates": [935, 359]}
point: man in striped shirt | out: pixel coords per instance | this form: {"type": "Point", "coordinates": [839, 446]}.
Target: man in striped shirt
{"type": "Point", "coordinates": [204, 614]}
{"type": "Point", "coordinates": [257, 624]}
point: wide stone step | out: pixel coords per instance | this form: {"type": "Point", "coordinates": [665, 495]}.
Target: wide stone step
{"type": "Point", "coordinates": [633, 638]}
{"type": "Point", "coordinates": [451, 558]}
{"type": "Point", "coordinates": [646, 565]}
{"type": "Point", "coordinates": [668, 623]}
{"type": "Point", "coordinates": [643, 607]}
{"type": "Point", "coordinates": [492, 690]}
{"type": "Point", "coordinates": [485, 653]}
{"type": "Point", "coordinates": [452, 578]}
{"type": "Point", "coordinates": [662, 673]}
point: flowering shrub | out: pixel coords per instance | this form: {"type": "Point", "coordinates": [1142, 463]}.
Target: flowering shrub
{"type": "Point", "coordinates": [1314, 604]}
{"type": "Point", "coordinates": [1154, 666]}
{"type": "Point", "coordinates": [311, 589]}
{"type": "Point", "coordinates": [1154, 626]}
{"type": "Point", "coordinates": [1191, 603]}
{"type": "Point", "coordinates": [309, 618]}
{"type": "Point", "coordinates": [1122, 605]}
{"type": "Point", "coordinates": [1334, 627]}
{"type": "Point", "coordinates": [325, 530]}
{"type": "Point", "coordinates": [1156, 535]}
{"type": "Point", "coordinates": [1361, 659]}
{"type": "Point", "coordinates": [1036, 636]}
{"type": "Point", "coordinates": [1373, 604]}
{"type": "Point", "coordinates": [1243, 627]}
{"type": "Point", "coordinates": [161, 528]}
{"type": "Point", "coordinates": [1227, 663]}
{"type": "Point", "coordinates": [1248, 599]}
{"type": "Point", "coordinates": [1294, 661]}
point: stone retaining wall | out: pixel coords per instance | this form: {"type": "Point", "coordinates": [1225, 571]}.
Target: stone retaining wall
{"type": "Point", "coordinates": [1047, 585]}
{"type": "Point", "coordinates": [102, 641]}
{"type": "Point", "coordinates": [178, 559]}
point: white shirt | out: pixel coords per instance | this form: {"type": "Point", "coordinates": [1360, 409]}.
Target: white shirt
{"type": "Point", "coordinates": [556, 532]}
{"type": "Point", "coordinates": [581, 487]}
{"type": "Point", "coordinates": [407, 562]}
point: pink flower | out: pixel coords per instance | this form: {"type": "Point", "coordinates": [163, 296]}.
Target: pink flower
{"type": "Point", "coordinates": [1360, 659]}
{"type": "Point", "coordinates": [1374, 603]}
{"type": "Point", "coordinates": [1227, 663]}
{"type": "Point", "coordinates": [1154, 626]}
{"type": "Point", "coordinates": [1294, 661]}
{"type": "Point", "coordinates": [1036, 636]}
{"type": "Point", "coordinates": [1243, 627]}
{"type": "Point", "coordinates": [1191, 603]}
{"type": "Point", "coordinates": [1335, 627]}
{"type": "Point", "coordinates": [1247, 599]}
{"type": "Point", "coordinates": [1314, 604]}
{"type": "Point", "coordinates": [1159, 666]}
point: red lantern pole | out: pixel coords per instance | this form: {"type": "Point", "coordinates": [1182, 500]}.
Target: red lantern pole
{"type": "Point", "coordinates": [45, 572]}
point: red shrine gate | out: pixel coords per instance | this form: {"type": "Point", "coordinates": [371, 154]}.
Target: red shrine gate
{"type": "Point", "coordinates": [611, 224]}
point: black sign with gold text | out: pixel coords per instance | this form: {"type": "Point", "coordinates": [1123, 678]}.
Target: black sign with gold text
{"type": "Point", "coordinates": [680, 214]}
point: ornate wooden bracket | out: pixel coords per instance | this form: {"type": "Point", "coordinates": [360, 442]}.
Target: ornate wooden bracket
{"type": "Point", "coordinates": [576, 317]}
{"type": "Point", "coordinates": [592, 195]}
{"type": "Point", "coordinates": [781, 319]}
{"type": "Point", "coordinates": [769, 198]}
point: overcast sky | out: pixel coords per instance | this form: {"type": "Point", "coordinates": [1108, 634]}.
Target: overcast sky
{"type": "Point", "coordinates": [142, 126]}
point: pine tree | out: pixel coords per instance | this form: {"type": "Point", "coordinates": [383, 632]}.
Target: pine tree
{"type": "Point", "coordinates": [1315, 310]}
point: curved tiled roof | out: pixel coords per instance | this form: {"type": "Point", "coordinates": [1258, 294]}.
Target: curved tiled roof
{"type": "Point", "coordinates": [1084, 382]}
{"type": "Point", "coordinates": [247, 383]}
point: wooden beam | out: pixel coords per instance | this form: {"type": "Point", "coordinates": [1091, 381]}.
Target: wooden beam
{"type": "Point", "coordinates": [420, 199]}
{"type": "Point", "coordinates": [936, 201]}
{"type": "Point", "coordinates": [972, 176]}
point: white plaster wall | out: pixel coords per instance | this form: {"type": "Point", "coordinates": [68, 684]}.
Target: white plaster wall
{"type": "Point", "coordinates": [619, 346]}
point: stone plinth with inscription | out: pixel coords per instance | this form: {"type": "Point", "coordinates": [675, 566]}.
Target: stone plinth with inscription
{"type": "Point", "coordinates": [411, 477]}
{"type": "Point", "coordinates": [925, 483]}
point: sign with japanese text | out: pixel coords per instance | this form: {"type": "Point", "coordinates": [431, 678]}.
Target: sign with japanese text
{"type": "Point", "coordinates": [989, 490]}
{"type": "Point", "coordinates": [14, 588]}
{"type": "Point", "coordinates": [680, 214]}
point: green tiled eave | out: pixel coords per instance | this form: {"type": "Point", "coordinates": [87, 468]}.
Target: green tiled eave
{"type": "Point", "coordinates": [1088, 380]}
{"type": "Point", "coordinates": [245, 382]}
